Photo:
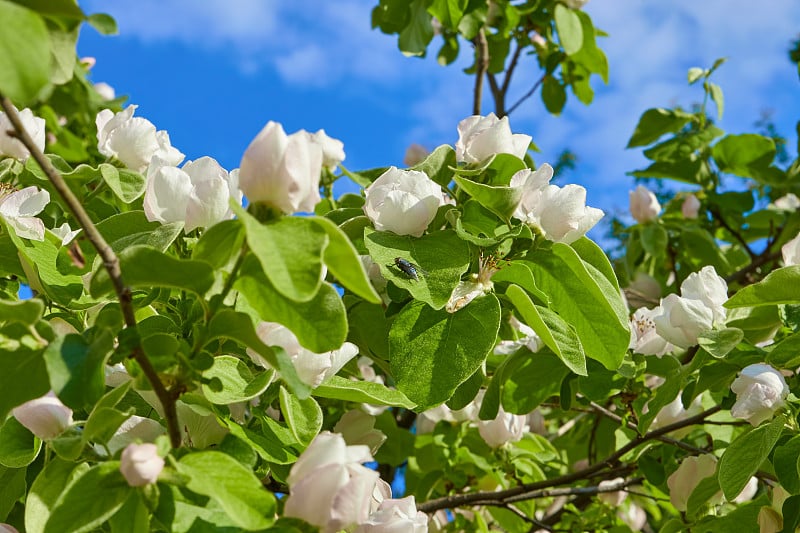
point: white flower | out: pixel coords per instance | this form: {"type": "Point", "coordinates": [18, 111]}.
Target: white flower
{"type": "Point", "coordinates": [479, 284]}
{"type": "Point", "coordinates": [674, 412]}
{"type": "Point", "coordinates": [13, 147]}
{"type": "Point", "coordinates": [788, 202]}
{"type": "Point", "coordinates": [791, 252]}
{"type": "Point", "coordinates": [332, 149]}
{"type": "Point", "coordinates": [690, 207]}
{"type": "Point", "coordinates": [45, 417]}
{"type": "Point", "coordinates": [681, 320]}
{"type": "Point", "coordinates": [140, 464]}
{"type": "Point", "coordinates": [644, 337]}
{"type": "Point", "coordinates": [415, 154]}
{"type": "Point", "coordinates": [135, 428]}
{"type": "Point", "coordinates": [133, 140]}
{"type": "Point", "coordinates": [559, 213]}
{"type": "Point", "coordinates": [198, 194]}
{"type": "Point", "coordinates": [708, 287]}
{"type": "Point", "coordinates": [312, 368]}
{"type": "Point", "coordinates": [65, 233]}
{"type": "Point", "coordinates": [19, 210]}
{"type": "Point", "coordinates": [281, 170]}
{"type": "Point", "coordinates": [480, 137]}
{"type": "Point", "coordinates": [402, 201]}
{"type": "Point", "coordinates": [505, 427]}
{"type": "Point", "coordinates": [396, 516]}
{"type": "Point", "coordinates": [748, 491]}
{"type": "Point", "coordinates": [760, 391]}
{"type": "Point", "coordinates": [328, 486]}
{"type": "Point", "coordinates": [105, 90]}
{"type": "Point", "coordinates": [644, 205]}
{"type": "Point", "coordinates": [357, 427]}
{"type": "Point", "coordinates": [686, 478]}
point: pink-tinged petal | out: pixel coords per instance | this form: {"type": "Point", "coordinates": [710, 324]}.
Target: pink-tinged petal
{"type": "Point", "coordinates": [29, 201]}
{"type": "Point", "coordinates": [326, 448]}
{"type": "Point", "coordinates": [312, 498]}
{"type": "Point", "coordinates": [352, 502]}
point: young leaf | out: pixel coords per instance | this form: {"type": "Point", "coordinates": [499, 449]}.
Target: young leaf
{"type": "Point", "coordinates": [238, 382]}
{"type": "Point", "coordinates": [339, 388]}
{"type": "Point", "coordinates": [304, 417]}
{"type": "Point", "coordinates": [18, 446]}
{"type": "Point", "coordinates": [744, 456]}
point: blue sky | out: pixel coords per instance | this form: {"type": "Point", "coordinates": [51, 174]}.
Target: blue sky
{"type": "Point", "coordinates": [213, 72]}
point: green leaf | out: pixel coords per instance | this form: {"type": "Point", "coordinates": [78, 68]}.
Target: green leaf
{"type": "Point", "coordinates": [785, 353]}
{"type": "Point", "coordinates": [126, 184]}
{"type": "Point", "coordinates": [433, 352]}
{"type": "Point", "coordinates": [26, 312]}
{"type": "Point", "coordinates": [76, 368]}
{"type": "Point", "coordinates": [46, 489]}
{"type": "Point", "coordinates": [319, 324]}
{"type": "Point", "coordinates": [553, 95]}
{"type": "Point", "coordinates": [654, 240]}
{"type": "Point", "coordinates": [543, 369]}
{"type": "Point", "coordinates": [716, 95]}
{"type": "Point", "coordinates": [701, 495]}
{"type": "Point", "coordinates": [62, 53]}
{"type": "Point", "coordinates": [720, 342]}
{"type": "Point", "coordinates": [234, 487]}
{"type": "Point", "coordinates": [414, 39]}
{"type": "Point", "coordinates": [343, 262]}
{"type": "Point", "coordinates": [143, 266]}
{"type": "Point", "coordinates": [274, 447]}
{"type": "Point", "coordinates": [12, 488]}
{"type": "Point", "coordinates": [228, 324]}
{"type": "Point", "coordinates": [238, 382]}
{"type": "Point", "coordinates": [23, 377]}
{"type": "Point", "coordinates": [440, 163]}
{"type": "Point", "coordinates": [18, 446]}
{"type": "Point", "coordinates": [339, 388]}
{"type": "Point", "coordinates": [744, 155]}
{"type": "Point", "coordinates": [290, 251]}
{"type": "Point", "coordinates": [441, 254]}
{"type": "Point", "coordinates": [500, 200]}
{"type": "Point", "coordinates": [133, 516]}
{"type": "Point", "coordinates": [448, 12]}
{"type": "Point", "coordinates": [744, 456]}
{"type": "Point", "coordinates": [554, 332]}
{"type": "Point", "coordinates": [570, 31]}
{"type": "Point", "coordinates": [89, 500]}
{"type": "Point", "coordinates": [781, 286]}
{"type": "Point", "coordinates": [304, 417]}
{"type": "Point", "coordinates": [128, 229]}
{"type": "Point", "coordinates": [24, 53]}
{"type": "Point", "coordinates": [656, 122]}
{"type": "Point", "coordinates": [103, 423]}
{"type": "Point", "coordinates": [103, 23]}
{"type": "Point", "coordinates": [219, 243]}
{"type": "Point", "coordinates": [785, 461]}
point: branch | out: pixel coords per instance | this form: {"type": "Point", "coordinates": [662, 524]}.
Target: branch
{"type": "Point", "coordinates": [476, 498]}
{"type": "Point", "coordinates": [754, 265]}
{"type": "Point", "coordinates": [481, 66]}
{"type": "Point", "coordinates": [110, 263]}
{"type": "Point", "coordinates": [736, 235]}
{"type": "Point", "coordinates": [528, 94]}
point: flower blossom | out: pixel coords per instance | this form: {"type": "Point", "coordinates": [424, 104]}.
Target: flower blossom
{"type": "Point", "coordinates": [140, 464]}
{"type": "Point", "coordinates": [644, 205]}
{"type": "Point", "coordinates": [19, 210]}
{"type": "Point", "coordinates": [403, 201]}
{"type": "Point", "coordinates": [760, 391]}
{"type": "Point", "coordinates": [396, 516]}
{"type": "Point", "coordinates": [45, 417]}
{"type": "Point", "coordinates": [13, 147]}
{"type": "Point", "coordinates": [481, 137]}
{"type": "Point", "coordinates": [133, 140]}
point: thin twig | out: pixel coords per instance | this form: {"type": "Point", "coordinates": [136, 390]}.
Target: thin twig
{"type": "Point", "coordinates": [110, 263]}
{"type": "Point", "coordinates": [481, 66]}
{"type": "Point", "coordinates": [740, 275]}
{"type": "Point", "coordinates": [736, 235]}
{"type": "Point", "coordinates": [528, 94]}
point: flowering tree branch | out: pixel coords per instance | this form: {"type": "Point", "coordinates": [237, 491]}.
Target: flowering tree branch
{"type": "Point", "coordinates": [481, 66]}
{"type": "Point", "coordinates": [527, 94]}
{"type": "Point", "coordinates": [110, 263]}
{"type": "Point", "coordinates": [612, 461]}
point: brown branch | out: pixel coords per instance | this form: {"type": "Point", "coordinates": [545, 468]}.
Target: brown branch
{"type": "Point", "coordinates": [527, 94]}
{"type": "Point", "coordinates": [741, 274]}
{"type": "Point", "coordinates": [484, 497]}
{"type": "Point", "coordinates": [481, 66]}
{"type": "Point", "coordinates": [110, 263]}
{"type": "Point", "coordinates": [736, 235]}
{"type": "Point", "coordinates": [498, 95]}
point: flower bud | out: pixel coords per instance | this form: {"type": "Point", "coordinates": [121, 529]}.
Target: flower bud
{"type": "Point", "coordinates": [760, 391]}
{"type": "Point", "coordinates": [141, 464]}
{"type": "Point", "coordinates": [415, 153]}
{"type": "Point", "coordinates": [281, 170]}
{"type": "Point", "coordinates": [690, 207]}
{"type": "Point", "coordinates": [13, 147]}
{"type": "Point", "coordinates": [505, 427]}
{"type": "Point", "coordinates": [686, 478]}
{"type": "Point", "coordinates": [480, 137]}
{"type": "Point", "coordinates": [45, 417]}
{"type": "Point", "coordinates": [644, 205]}
{"type": "Point", "coordinates": [396, 516]}
{"type": "Point", "coordinates": [403, 201]}
{"type": "Point", "coordinates": [105, 90]}
{"type": "Point", "coordinates": [681, 320]}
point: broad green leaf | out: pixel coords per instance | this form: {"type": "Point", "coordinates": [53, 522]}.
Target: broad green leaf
{"type": "Point", "coordinates": [23, 377]}
{"type": "Point", "coordinates": [786, 353]}
{"type": "Point", "coordinates": [228, 324]}
{"type": "Point", "coordinates": [553, 95]}
{"type": "Point", "coordinates": [744, 456]}
{"type": "Point", "coordinates": [143, 266]}
{"type": "Point", "coordinates": [89, 500]}
{"type": "Point", "coordinates": [743, 155]}
{"type": "Point", "coordinates": [703, 493]}
{"type": "Point", "coordinates": [268, 444]}
{"type": "Point", "coordinates": [126, 184]}
{"type": "Point", "coordinates": [500, 200]}
{"type": "Point", "coordinates": [24, 53]}
{"type": "Point", "coordinates": [720, 342]}
{"type": "Point", "coordinates": [304, 417]}
{"type": "Point", "coordinates": [234, 487]}
{"type": "Point", "coordinates": [414, 39]}
{"type": "Point", "coordinates": [132, 227]}
{"type": "Point", "coordinates": [654, 239]}
{"type": "Point", "coordinates": [62, 53]}
{"type": "Point", "coordinates": [791, 513]}
{"type": "Point", "coordinates": [219, 243]}
{"type": "Point", "coordinates": [238, 382]}
{"type": "Point", "coordinates": [18, 446]}
{"type": "Point", "coordinates": [12, 488]}
{"type": "Point", "coordinates": [77, 368]}
{"type": "Point", "coordinates": [656, 122]}
{"type": "Point", "coordinates": [343, 262]}
{"type": "Point", "coordinates": [290, 251]}
{"type": "Point", "coordinates": [26, 312]}
{"type": "Point", "coordinates": [433, 352]}
{"type": "Point", "coordinates": [586, 300]}
{"type": "Point", "coordinates": [133, 516]}
{"type": "Point", "coordinates": [440, 163]}
{"type": "Point", "coordinates": [339, 388]}
{"type": "Point", "coordinates": [103, 423]}
{"type": "Point", "coordinates": [441, 254]}
{"type": "Point", "coordinates": [319, 324]}
{"type": "Point", "coordinates": [781, 286]}
{"type": "Point", "coordinates": [570, 31]}
{"type": "Point", "coordinates": [448, 12]}
{"type": "Point", "coordinates": [592, 254]}
{"type": "Point", "coordinates": [694, 74]}
{"type": "Point", "coordinates": [691, 170]}
{"type": "Point", "coordinates": [103, 23]}
{"type": "Point", "coordinates": [520, 274]}
{"type": "Point", "coordinates": [717, 96]}
{"type": "Point", "coordinates": [46, 489]}
{"type": "Point", "coordinates": [785, 460]}
{"type": "Point", "coordinates": [554, 332]}
{"type": "Point", "coordinates": [480, 227]}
